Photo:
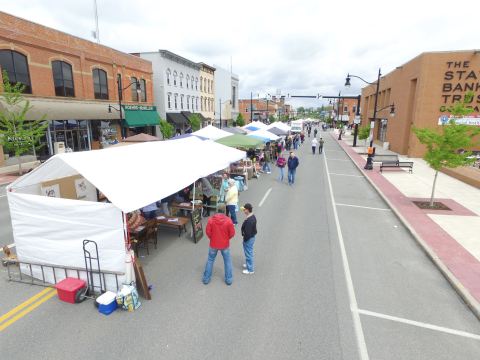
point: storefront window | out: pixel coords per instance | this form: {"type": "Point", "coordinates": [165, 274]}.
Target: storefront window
{"type": "Point", "coordinates": [105, 132]}
{"type": "Point", "coordinates": [73, 133]}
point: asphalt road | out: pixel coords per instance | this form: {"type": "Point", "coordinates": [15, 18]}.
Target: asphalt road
{"type": "Point", "coordinates": [343, 282]}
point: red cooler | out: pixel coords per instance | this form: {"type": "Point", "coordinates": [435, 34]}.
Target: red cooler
{"type": "Point", "coordinates": [68, 288]}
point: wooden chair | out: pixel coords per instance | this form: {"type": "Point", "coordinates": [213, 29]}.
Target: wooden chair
{"type": "Point", "coordinates": [149, 233]}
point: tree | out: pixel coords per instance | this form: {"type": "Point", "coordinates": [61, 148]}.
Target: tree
{"type": "Point", "coordinates": [272, 118]}
{"type": "Point", "coordinates": [300, 109]}
{"type": "Point", "coordinates": [166, 129]}
{"type": "Point", "coordinates": [16, 133]}
{"type": "Point", "coordinates": [240, 121]}
{"type": "Point", "coordinates": [195, 122]}
{"type": "Point", "coordinates": [449, 146]}
{"type": "Point", "coordinates": [364, 132]}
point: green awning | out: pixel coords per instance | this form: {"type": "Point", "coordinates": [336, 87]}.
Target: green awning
{"type": "Point", "coordinates": [141, 116]}
{"type": "Point", "coordinates": [241, 141]}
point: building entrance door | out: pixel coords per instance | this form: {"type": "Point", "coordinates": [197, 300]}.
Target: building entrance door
{"type": "Point", "coordinates": [382, 131]}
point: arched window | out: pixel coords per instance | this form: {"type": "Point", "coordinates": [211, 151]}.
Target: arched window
{"type": "Point", "coordinates": [143, 89]}
{"type": "Point", "coordinates": [169, 100]}
{"type": "Point", "coordinates": [168, 76]}
{"type": "Point", "coordinates": [133, 81]}
{"type": "Point", "coordinates": [193, 107]}
{"type": "Point", "coordinates": [16, 66]}
{"type": "Point", "coordinates": [63, 78]}
{"type": "Point", "coordinates": [201, 80]}
{"type": "Point", "coordinates": [188, 80]}
{"type": "Point", "coordinates": [176, 101]}
{"type": "Point", "coordinates": [181, 79]}
{"type": "Point", "coordinates": [188, 102]}
{"type": "Point", "coordinates": [100, 84]}
{"type": "Point", "coordinates": [181, 101]}
{"type": "Point", "coordinates": [205, 85]}
{"type": "Point", "coordinates": [196, 87]}
{"type": "Point", "coordinates": [201, 103]}
{"type": "Point", "coordinates": [196, 103]}
{"type": "Point", "coordinates": [175, 75]}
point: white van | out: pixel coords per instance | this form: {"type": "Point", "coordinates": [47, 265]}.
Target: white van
{"type": "Point", "coordinates": [296, 127]}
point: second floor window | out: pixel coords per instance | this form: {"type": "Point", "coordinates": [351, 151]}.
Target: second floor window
{"type": "Point", "coordinates": [188, 102]}
{"type": "Point", "coordinates": [169, 100]}
{"type": "Point", "coordinates": [63, 79]}
{"type": "Point", "coordinates": [181, 102]}
{"type": "Point", "coordinates": [16, 66]}
{"type": "Point", "coordinates": [133, 81]}
{"type": "Point", "coordinates": [143, 89]}
{"type": "Point", "coordinates": [176, 103]}
{"type": "Point", "coordinates": [100, 84]}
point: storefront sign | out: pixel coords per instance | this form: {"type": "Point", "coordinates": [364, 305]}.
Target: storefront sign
{"type": "Point", "coordinates": [357, 120]}
{"type": "Point", "coordinates": [459, 78]}
{"type": "Point", "coordinates": [196, 216]}
{"type": "Point", "coordinates": [139, 108]}
{"type": "Point", "coordinates": [468, 120]}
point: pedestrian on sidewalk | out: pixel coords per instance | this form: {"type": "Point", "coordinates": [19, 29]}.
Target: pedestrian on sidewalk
{"type": "Point", "coordinates": [219, 230]}
{"type": "Point", "coordinates": [292, 165]}
{"type": "Point", "coordinates": [320, 146]}
{"type": "Point", "coordinates": [231, 201]}
{"type": "Point", "coordinates": [249, 230]}
{"type": "Point", "coordinates": [314, 145]}
{"type": "Point", "coordinates": [281, 162]}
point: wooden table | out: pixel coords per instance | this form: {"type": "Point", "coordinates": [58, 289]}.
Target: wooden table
{"type": "Point", "coordinates": [173, 221]}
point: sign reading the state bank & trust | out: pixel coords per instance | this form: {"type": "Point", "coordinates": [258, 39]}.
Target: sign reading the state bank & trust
{"type": "Point", "coordinates": [139, 108]}
{"type": "Point", "coordinates": [460, 78]}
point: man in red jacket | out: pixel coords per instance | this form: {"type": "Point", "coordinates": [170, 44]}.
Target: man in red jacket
{"type": "Point", "coordinates": [219, 230]}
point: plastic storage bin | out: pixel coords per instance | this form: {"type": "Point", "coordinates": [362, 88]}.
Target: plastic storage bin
{"type": "Point", "coordinates": [107, 303]}
{"type": "Point", "coordinates": [68, 288]}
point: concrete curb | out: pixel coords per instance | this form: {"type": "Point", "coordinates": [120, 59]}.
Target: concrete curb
{"type": "Point", "coordinates": [471, 302]}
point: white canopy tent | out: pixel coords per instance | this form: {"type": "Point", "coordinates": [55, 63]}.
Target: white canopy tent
{"type": "Point", "coordinates": [51, 230]}
{"type": "Point", "coordinates": [278, 124]}
{"type": "Point", "coordinates": [212, 133]}
{"type": "Point", "coordinates": [264, 134]}
{"type": "Point", "coordinates": [257, 124]}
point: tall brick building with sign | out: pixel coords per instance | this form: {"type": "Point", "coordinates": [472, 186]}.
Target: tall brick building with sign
{"type": "Point", "coordinates": [422, 90]}
{"type": "Point", "coordinates": [74, 82]}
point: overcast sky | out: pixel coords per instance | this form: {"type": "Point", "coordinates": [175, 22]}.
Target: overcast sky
{"type": "Point", "coordinates": [301, 47]}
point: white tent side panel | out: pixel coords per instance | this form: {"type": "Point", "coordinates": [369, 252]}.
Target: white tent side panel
{"type": "Point", "coordinates": [51, 231]}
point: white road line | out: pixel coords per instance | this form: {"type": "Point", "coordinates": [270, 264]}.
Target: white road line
{"type": "Point", "coordinates": [363, 207]}
{"type": "Point", "coordinates": [3, 196]}
{"type": "Point", "coordinates": [362, 346]}
{"type": "Point", "coordinates": [420, 324]}
{"type": "Point", "coordinates": [264, 197]}
{"type": "Point", "coordinates": [359, 176]}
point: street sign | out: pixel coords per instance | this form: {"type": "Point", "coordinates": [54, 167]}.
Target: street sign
{"type": "Point", "coordinates": [357, 120]}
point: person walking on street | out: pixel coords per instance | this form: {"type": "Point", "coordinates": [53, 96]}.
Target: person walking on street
{"type": "Point", "coordinates": [249, 230]}
{"type": "Point", "coordinates": [314, 145]}
{"type": "Point", "coordinates": [281, 162]}
{"type": "Point", "coordinates": [231, 200]}
{"type": "Point", "coordinates": [292, 165]}
{"type": "Point", "coordinates": [219, 230]}
{"type": "Point", "coordinates": [320, 146]}
{"type": "Point", "coordinates": [315, 132]}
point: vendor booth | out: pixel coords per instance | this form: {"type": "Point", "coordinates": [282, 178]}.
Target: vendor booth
{"type": "Point", "coordinates": [211, 132]}
{"type": "Point", "coordinates": [56, 207]}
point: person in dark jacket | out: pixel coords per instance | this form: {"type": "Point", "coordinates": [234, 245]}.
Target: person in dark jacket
{"type": "Point", "coordinates": [219, 230]}
{"type": "Point", "coordinates": [249, 230]}
{"type": "Point", "coordinates": [292, 165]}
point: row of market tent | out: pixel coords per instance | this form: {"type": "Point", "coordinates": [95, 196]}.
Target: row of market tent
{"type": "Point", "coordinates": [50, 230]}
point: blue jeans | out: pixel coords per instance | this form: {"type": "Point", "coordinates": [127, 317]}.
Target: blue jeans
{"type": "Point", "coordinates": [248, 250]}
{"type": "Point", "coordinates": [227, 261]}
{"type": "Point", "coordinates": [266, 167]}
{"type": "Point", "coordinates": [291, 175]}
{"type": "Point", "coordinates": [231, 212]}
{"type": "Point", "coordinates": [280, 175]}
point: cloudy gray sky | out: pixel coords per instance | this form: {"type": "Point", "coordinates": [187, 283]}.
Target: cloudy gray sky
{"type": "Point", "coordinates": [301, 47]}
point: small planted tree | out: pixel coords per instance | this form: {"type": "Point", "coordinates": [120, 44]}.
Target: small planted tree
{"type": "Point", "coordinates": [449, 146]}
{"type": "Point", "coordinates": [364, 133]}
{"type": "Point", "coordinates": [16, 133]}
{"type": "Point", "coordinates": [166, 129]}
{"type": "Point", "coordinates": [195, 122]}
{"type": "Point", "coordinates": [240, 121]}
{"type": "Point", "coordinates": [272, 118]}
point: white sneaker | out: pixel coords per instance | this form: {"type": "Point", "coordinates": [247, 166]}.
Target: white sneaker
{"type": "Point", "coordinates": [244, 266]}
{"type": "Point", "coordinates": [246, 272]}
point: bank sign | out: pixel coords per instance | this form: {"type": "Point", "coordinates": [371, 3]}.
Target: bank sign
{"type": "Point", "coordinates": [458, 79]}
{"type": "Point", "coordinates": [468, 120]}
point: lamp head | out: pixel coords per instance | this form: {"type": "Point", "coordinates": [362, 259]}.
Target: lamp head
{"type": "Point", "coordinates": [392, 110]}
{"type": "Point", "coordinates": [347, 81]}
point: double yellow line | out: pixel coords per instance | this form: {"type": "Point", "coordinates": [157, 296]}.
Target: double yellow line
{"type": "Point", "coordinates": [23, 309]}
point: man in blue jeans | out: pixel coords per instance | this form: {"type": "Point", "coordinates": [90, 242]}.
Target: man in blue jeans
{"type": "Point", "coordinates": [219, 230]}
{"type": "Point", "coordinates": [249, 230]}
{"type": "Point", "coordinates": [292, 165]}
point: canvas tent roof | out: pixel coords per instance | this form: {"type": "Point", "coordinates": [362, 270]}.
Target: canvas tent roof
{"type": "Point", "coordinates": [241, 141]}
{"type": "Point", "coordinates": [211, 132]}
{"type": "Point", "coordinates": [279, 125]}
{"type": "Point", "coordinates": [257, 124]}
{"type": "Point", "coordinates": [234, 130]}
{"type": "Point", "coordinates": [277, 131]}
{"type": "Point", "coordinates": [127, 175]}
{"type": "Point", "coordinates": [264, 134]}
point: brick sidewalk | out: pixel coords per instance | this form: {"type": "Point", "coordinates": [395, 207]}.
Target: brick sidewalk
{"type": "Point", "coordinates": [458, 265]}
{"type": "Point", "coordinates": [7, 179]}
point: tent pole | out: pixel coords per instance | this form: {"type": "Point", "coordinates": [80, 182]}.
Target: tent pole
{"type": "Point", "coordinates": [193, 200]}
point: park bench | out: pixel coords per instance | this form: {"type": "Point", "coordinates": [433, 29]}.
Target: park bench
{"type": "Point", "coordinates": [392, 161]}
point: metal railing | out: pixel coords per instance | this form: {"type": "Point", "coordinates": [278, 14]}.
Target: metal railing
{"type": "Point", "coordinates": [16, 274]}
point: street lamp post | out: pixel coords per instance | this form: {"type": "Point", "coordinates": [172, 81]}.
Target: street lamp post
{"type": "Point", "coordinates": [357, 115]}
{"type": "Point", "coordinates": [369, 164]}
{"type": "Point", "coordinates": [120, 98]}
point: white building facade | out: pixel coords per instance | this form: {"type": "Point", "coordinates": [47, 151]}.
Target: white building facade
{"type": "Point", "coordinates": [176, 82]}
{"type": "Point", "coordinates": [226, 96]}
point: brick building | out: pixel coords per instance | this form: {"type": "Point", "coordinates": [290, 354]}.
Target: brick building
{"type": "Point", "coordinates": [261, 109]}
{"type": "Point", "coordinates": [422, 90]}
{"type": "Point", "coordinates": [73, 81]}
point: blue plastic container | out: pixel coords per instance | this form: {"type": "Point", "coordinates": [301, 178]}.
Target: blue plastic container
{"type": "Point", "coordinates": [107, 303]}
